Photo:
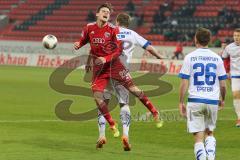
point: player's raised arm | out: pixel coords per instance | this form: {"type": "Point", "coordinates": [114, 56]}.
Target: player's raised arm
{"type": "Point", "coordinates": [84, 39]}
{"type": "Point", "coordinates": [145, 44]}
{"type": "Point", "coordinates": [152, 50]}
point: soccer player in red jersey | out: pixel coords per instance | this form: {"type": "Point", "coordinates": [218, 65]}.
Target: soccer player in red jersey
{"type": "Point", "coordinates": [106, 50]}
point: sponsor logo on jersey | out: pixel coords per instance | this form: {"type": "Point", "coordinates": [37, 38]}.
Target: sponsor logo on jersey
{"type": "Point", "coordinates": [120, 36]}
{"type": "Point", "coordinates": [98, 40]}
{"type": "Point", "coordinates": [125, 32]}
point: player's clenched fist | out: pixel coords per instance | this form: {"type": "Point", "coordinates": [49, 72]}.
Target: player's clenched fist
{"type": "Point", "coordinates": [76, 45]}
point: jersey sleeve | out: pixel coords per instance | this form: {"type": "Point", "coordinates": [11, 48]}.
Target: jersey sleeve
{"type": "Point", "coordinates": [140, 41]}
{"type": "Point", "coordinates": [221, 73]}
{"type": "Point", "coordinates": [84, 39]}
{"type": "Point", "coordinates": [185, 70]}
{"type": "Point", "coordinates": [117, 49]}
{"type": "Point", "coordinates": [225, 53]}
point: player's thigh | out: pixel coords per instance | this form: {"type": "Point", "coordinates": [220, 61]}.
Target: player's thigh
{"type": "Point", "coordinates": [235, 83]}
{"type": "Point", "coordinates": [123, 77]}
{"type": "Point", "coordinates": [107, 95]}
{"type": "Point", "coordinates": [122, 94]}
{"type": "Point", "coordinates": [195, 117]}
{"type": "Point", "coordinates": [211, 117]}
{"type": "Point", "coordinates": [98, 86]}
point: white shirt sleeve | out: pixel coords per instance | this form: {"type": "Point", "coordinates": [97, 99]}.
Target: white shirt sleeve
{"type": "Point", "coordinates": [185, 70]}
{"type": "Point", "coordinates": [140, 41]}
{"type": "Point", "coordinates": [225, 53]}
{"type": "Point", "coordinates": [221, 72]}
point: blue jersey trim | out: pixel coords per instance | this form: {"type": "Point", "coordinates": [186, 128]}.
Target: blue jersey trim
{"type": "Point", "coordinates": [146, 44]}
{"type": "Point", "coordinates": [222, 77]}
{"type": "Point", "coordinates": [205, 101]}
{"type": "Point", "coordinates": [235, 76]}
{"type": "Point", "coordinates": [184, 76]}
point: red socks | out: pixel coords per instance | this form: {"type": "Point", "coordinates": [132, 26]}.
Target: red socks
{"type": "Point", "coordinates": [144, 99]}
{"type": "Point", "coordinates": [104, 110]}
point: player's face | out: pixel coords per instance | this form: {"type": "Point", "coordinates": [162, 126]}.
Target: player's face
{"type": "Point", "coordinates": [103, 14]}
{"type": "Point", "coordinates": [236, 37]}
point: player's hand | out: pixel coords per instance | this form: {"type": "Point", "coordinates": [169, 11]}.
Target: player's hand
{"type": "Point", "coordinates": [221, 105]}
{"type": "Point", "coordinates": [76, 45]}
{"type": "Point", "coordinates": [88, 68]}
{"type": "Point", "coordinates": [182, 110]}
{"type": "Point", "coordinates": [100, 61]}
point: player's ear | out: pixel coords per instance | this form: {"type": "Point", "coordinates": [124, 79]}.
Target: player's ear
{"type": "Point", "coordinates": [97, 14]}
{"type": "Point", "coordinates": [195, 40]}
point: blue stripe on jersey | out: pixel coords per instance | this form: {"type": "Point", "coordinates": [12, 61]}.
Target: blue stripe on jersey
{"type": "Point", "coordinates": [184, 76]}
{"type": "Point", "coordinates": [205, 101]}
{"type": "Point", "coordinates": [222, 77]}
{"type": "Point", "coordinates": [146, 44]}
{"type": "Point", "coordinates": [235, 76]}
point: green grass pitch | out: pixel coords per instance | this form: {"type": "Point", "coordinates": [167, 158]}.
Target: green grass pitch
{"type": "Point", "coordinates": [28, 130]}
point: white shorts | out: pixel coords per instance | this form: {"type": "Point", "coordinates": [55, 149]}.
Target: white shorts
{"type": "Point", "coordinates": [201, 117]}
{"type": "Point", "coordinates": [121, 92]}
{"type": "Point", "coordinates": [235, 82]}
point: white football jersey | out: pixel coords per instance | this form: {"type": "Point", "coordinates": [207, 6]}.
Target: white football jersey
{"type": "Point", "coordinates": [204, 69]}
{"type": "Point", "coordinates": [130, 39]}
{"type": "Point", "coordinates": [233, 51]}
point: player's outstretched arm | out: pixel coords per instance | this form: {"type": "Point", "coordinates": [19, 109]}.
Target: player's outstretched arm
{"type": "Point", "coordinates": [182, 92]}
{"type": "Point", "coordinates": [223, 90]}
{"type": "Point", "coordinates": [153, 51]}
{"type": "Point", "coordinates": [84, 39]}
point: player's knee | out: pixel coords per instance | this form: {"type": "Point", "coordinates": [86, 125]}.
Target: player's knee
{"type": "Point", "coordinates": [198, 136]}
{"type": "Point", "coordinates": [236, 94]}
{"type": "Point", "coordinates": [136, 91]}
{"type": "Point", "coordinates": [208, 132]}
{"type": "Point", "coordinates": [98, 96]}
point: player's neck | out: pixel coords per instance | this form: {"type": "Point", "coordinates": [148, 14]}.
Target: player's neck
{"type": "Point", "coordinates": [123, 26]}
{"type": "Point", "coordinates": [101, 24]}
{"type": "Point", "coordinates": [200, 46]}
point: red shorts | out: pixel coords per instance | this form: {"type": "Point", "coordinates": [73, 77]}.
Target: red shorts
{"type": "Point", "coordinates": [117, 72]}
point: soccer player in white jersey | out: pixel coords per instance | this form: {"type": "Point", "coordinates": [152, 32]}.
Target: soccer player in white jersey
{"type": "Point", "coordinates": [233, 51]}
{"type": "Point", "coordinates": [203, 75]}
{"type": "Point", "coordinates": [130, 40]}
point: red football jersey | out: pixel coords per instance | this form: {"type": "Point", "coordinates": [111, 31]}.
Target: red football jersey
{"type": "Point", "coordinates": [103, 41]}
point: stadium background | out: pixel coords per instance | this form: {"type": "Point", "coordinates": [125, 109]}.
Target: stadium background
{"type": "Point", "coordinates": [28, 125]}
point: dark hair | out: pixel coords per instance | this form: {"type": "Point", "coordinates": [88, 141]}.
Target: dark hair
{"type": "Point", "coordinates": [237, 30]}
{"type": "Point", "coordinates": [105, 5]}
{"type": "Point", "coordinates": [123, 19]}
{"type": "Point", "coordinates": [203, 36]}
